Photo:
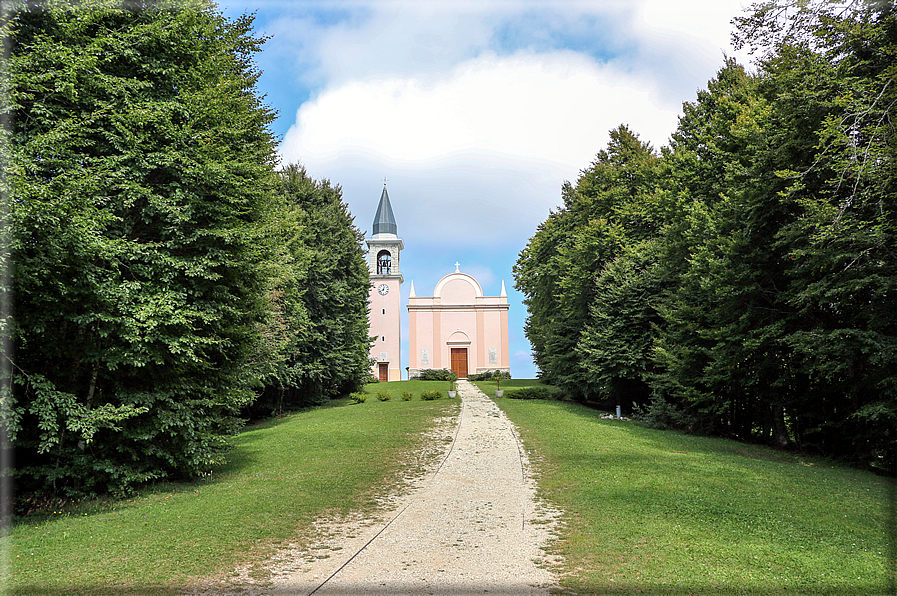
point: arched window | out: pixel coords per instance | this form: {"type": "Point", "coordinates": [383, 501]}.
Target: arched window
{"type": "Point", "coordinates": [384, 263]}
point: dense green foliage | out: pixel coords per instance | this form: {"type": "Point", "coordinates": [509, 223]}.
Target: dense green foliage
{"type": "Point", "coordinates": [610, 209]}
{"type": "Point", "coordinates": [745, 274]}
{"type": "Point", "coordinates": [489, 375]}
{"type": "Point", "coordinates": [531, 393]}
{"type": "Point", "coordinates": [436, 374]}
{"type": "Point", "coordinates": [140, 159]}
{"type": "Point", "coordinates": [316, 341]}
{"type": "Point", "coordinates": [430, 394]}
{"type": "Point", "coordinates": [163, 272]}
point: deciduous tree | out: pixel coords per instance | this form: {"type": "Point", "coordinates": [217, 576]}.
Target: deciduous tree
{"type": "Point", "coordinates": [141, 167]}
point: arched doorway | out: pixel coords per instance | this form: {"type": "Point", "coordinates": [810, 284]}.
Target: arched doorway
{"type": "Point", "coordinates": [459, 362]}
{"type": "Point", "coordinates": [458, 344]}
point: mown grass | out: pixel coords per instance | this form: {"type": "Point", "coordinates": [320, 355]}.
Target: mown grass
{"type": "Point", "coordinates": [282, 475]}
{"type": "Point", "coordinates": [396, 388]}
{"type": "Point", "coordinates": [649, 512]}
{"type": "Point", "coordinates": [656, 512]}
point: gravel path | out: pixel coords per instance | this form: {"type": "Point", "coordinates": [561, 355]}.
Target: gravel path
{"type": "Point", "coordinates": [472, 526]}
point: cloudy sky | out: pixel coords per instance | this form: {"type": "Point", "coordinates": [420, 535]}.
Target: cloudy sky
{"type": "Point", "coordinates": [475, 111]}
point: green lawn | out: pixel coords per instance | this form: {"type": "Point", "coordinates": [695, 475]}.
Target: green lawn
{"type": "Point", "coordinates": [283, 474]}
{"type": "Point", "coordinates": [396, 388]}
{"type": "Point", "coordinates": [648, 512]}
{"type": "Point", "coordinates": [652, 512]}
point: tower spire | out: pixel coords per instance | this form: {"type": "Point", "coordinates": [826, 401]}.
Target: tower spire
{"type": "Point", "coordinates": [384, 220]}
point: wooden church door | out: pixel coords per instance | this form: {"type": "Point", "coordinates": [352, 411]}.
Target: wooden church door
{"type": "Point", "coordinates": [459, 362]}
{"type": "Point", "coordinates": [384, 372]}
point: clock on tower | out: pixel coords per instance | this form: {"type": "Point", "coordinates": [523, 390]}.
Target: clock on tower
{"type": "Point", "coordinates": [384, 247]}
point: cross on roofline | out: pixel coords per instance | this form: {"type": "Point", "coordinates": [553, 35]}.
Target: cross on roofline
{"type": "Point", "coordinates": [457, 265]}
{"type": "Point", "coordinates": [384, 181]}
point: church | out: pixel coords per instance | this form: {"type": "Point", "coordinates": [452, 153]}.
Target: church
{"type": "Point", "coordinates": [457, 328]}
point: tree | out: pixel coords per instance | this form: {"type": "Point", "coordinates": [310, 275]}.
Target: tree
{"type": "Point", "coordinates": [558, 268]}
{"type": "Point", "coordinates": [748, 275]}
{"type": "Point", "coordinates": [779, 327]}
{"type": "Point", "coordinates": [141, 168]}
{"type": "Point", "coordinates": [617, 346]}
{"type": "Point", "coordinates": [320, 296]}
{"type": "Point", "coordinates": [716, 249]}
{"type": "Point", "coordinates": [833, 67]}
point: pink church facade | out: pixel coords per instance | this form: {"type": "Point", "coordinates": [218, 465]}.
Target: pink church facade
{"type": "Point", "coordinates": [458, 328]}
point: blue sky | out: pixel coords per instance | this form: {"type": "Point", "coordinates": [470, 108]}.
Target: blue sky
{"type": "Point", "coordinates": [476, 112]}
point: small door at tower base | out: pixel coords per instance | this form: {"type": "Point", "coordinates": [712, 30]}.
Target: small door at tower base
{"type": "Point", "coordinates": [383, 372]}
{"type": "Point", "coordinates": [459, 362]}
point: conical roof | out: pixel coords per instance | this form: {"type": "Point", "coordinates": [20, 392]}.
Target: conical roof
{"type": "Point", "coordinates": [384, 220]}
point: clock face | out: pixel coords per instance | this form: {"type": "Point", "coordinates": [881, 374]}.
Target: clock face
{"type": "Point", "coordinates": [383, 289]}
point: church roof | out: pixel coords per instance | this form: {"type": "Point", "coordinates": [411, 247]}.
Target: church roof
{"type": "Point", "coordinates": [384, 220]}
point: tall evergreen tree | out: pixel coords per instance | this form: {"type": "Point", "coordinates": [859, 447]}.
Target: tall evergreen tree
{"type": "Point", "coordinates": [779, 327]}
{"type": "Point", "coordinates": [557, 270]}
{"type": "Point", "coordinates": [141, 166]}
{"type": "Point", "coordinates": [831, 71]}
{"type": "Point", "coordinates": [761, 296]}
{"type": "Point", "coordinates": [320, 297]}
{"type": "Point", "coordinates": [718, 256]}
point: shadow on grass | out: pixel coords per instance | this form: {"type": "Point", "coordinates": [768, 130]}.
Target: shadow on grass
{"type": "Point", "coordinates": [241, 457]}
{"type": "Point", "coordinates": [696, 444]}
{"type": "Point", "coordinates": [462, 590]}
{"type": "Point", "coordinates": [238, 459]}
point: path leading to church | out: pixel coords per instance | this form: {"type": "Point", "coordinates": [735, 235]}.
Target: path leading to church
{"type": "Point", "coordinates": [471, 527]}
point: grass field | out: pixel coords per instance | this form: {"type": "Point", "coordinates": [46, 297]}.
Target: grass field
{"type": "Point", "coordinates": [396, 388]}
{"type": "Point", "coordinates": [648, 512]}
{"type": "Point", "coordinates": [653, 512]}
{"type": "Point", "coordinates": [282, 475]}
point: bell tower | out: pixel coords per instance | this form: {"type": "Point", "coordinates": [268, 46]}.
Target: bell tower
{"type": "Point", "coordinates": [384, 247]}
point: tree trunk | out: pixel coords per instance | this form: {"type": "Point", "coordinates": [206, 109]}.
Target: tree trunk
{"type": "Point", "coordinates": [779, 429]}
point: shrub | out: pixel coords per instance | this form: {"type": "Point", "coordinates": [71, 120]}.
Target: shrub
{"type": "Point", "coordinates": [662, 415]}
{"type": "Point", "coordinates": [431, 394]}
{"type": "Point", "coordinates": [358, 397]}
{"type": "Point", "coordinates": [531, 393]}
{"type": "Point", "coordinates": [407, 395]}
{"type": "Point", "coordinates": [489, 375]}
{"type": "Point", "coordinates": [383, 395]}
{"type": "Point", "coordinates": [437, 374]}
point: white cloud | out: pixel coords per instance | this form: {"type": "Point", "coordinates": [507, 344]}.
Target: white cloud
{"type": "Point", "coordinates": [553, 107]}
{"type": "Point", "coordinates": [482, 140]}
{"type": "Point", "coordinates": [680, 45]}
{"type": "Point", "coordinates": [451, 202]}
{"type": "Point", "coordinates": [483, 150]}
{"type": "Point", "coordinates": [399, 38]}
{"type": "Point", "coordinates": [478, 111]}
{"type": "Point", "coordinates": [705, 22]}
